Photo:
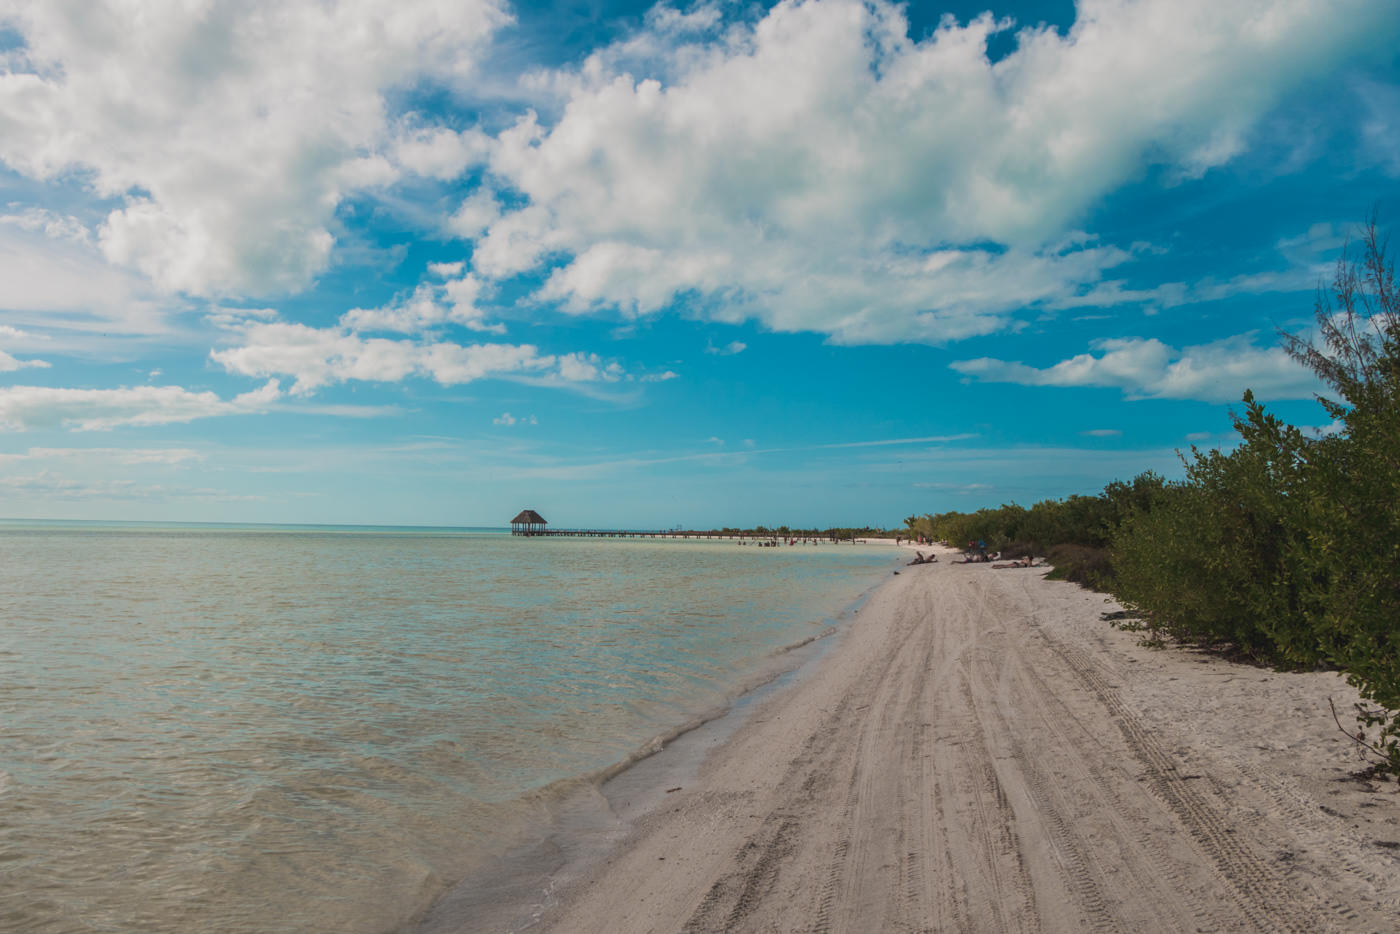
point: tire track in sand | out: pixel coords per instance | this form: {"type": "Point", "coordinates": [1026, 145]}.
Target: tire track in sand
{"type": "Point", "coordinates": [950, 768]}
{"type": "Point", "coordinates": [1259, 892]}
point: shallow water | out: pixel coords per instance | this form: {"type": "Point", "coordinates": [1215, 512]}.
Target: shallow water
{"type": "Point", "coordinates": [252, 729]}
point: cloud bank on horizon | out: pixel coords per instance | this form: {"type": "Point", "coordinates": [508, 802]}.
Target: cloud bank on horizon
{"type": "Point", "coordinates": [355, 196]}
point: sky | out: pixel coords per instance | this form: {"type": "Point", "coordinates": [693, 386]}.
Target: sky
{"type": "Point", "coordinates": [430, 262]}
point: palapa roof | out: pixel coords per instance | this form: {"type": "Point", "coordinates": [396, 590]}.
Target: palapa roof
{"type": "Point", "coordinates": [530, 516]}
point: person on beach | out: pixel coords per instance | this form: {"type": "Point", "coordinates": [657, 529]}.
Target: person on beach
{"type": "Point", "coordinates": [1027, 562]}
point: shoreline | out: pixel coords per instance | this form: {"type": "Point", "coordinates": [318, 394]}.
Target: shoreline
{"type": "Point", "coordinates": [977, 749]}
{"type": "Point", "coordinates": [591, 815]}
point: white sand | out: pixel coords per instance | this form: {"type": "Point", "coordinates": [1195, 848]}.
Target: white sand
{"type": "Point", "coordinates": [981, 752]}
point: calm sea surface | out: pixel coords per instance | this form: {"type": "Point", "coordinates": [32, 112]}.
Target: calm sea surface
{"type": "Point", "coordinates": [289, 729]}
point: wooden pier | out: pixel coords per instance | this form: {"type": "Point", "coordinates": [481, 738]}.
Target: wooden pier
{"type": "Point", "coordinates": [674, 533]}
{"type": "Point", "coordinates": [531, 524]}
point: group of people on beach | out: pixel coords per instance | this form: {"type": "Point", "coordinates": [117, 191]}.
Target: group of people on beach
{"type": "Point", "coordinates": [976, 553]}
{"type": "Point", "coordinates": [976, 557]}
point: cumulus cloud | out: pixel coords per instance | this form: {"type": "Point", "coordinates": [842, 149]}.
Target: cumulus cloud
{"type": "Point", "coordinates": [580, 367]}
{"type": "Point", "coordinates": [507, 419]}
{"type": "Point", "coordinates": [229, 132]}
{"type": "Point", "coordinates": [318, 357]}
{"type": "Point", "coordinates": [430, 305]}
{"type": "Point", "coordinates": [445, 270]}
{"type": "Point", "coordinates": [728, 349]}
{"type": "Point", "coordinates": [49, 223]}
{"type": "Point", "coordinates": [816, 169]}
{"type": "Point", "coordinates": [28, 407]}
{"type": "Point", "coordinates": [437, 152]}
{"type": "Point", "coordinates": [9, 363]}
{"type": "Point", "coordinates": [474, 216]}
{"type": "Point", "coordinates": [1149, 369]}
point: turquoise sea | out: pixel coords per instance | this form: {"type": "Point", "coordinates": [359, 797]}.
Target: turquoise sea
{"type": "Point", "coordinates": [257, 729]}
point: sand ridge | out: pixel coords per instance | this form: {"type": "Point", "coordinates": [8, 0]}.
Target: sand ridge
{"type": "Point", "coordinates": [982, 753]}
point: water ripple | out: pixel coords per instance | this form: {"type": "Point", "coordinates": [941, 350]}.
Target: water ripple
{"type": "Point", "coordinates": [244, 731]}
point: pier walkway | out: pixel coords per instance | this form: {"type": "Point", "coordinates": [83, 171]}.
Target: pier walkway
{"type": "Point", "coordinates": [715, 534]}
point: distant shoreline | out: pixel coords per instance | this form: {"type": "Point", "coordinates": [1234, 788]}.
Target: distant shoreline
{"type": "Point", "coordinates": [7, 522]}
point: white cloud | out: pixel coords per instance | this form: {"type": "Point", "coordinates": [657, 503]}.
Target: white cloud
{"type": "Point", "coordinates": [716, 457]}
{"type": "Point", "coordinates": [29, 407]}
{"type": "Point", "coordinates": [64, 284]}
{"type": "Point", "coordinates": [103, 456]}
{"type": "Point", "coordinates": [49, 487]}
{"type": "Point", "coordinates": [49, 223]}
{"type": "Point", "coordinates": [445, 270]}
{"type": "Point", "coordinates": [1149, 369]}
{"type": "Point", "coordinates": [477, 213]}
{"type": "Point", "coordinates": [1381, 130]}
{"type": "Point", "coordinates": [817, 170]}
{"type": "Point", "coordinates": [230, 131]}
{"type": "Point", "coordinates": [728, 349]}
{"type": "Point", "coordinates": [318, 357]}
{"type": "Point", "coordinates": [505, 418]}
{"type": "Point", "coordinates": [928, 439]}
{"type": "Point", "coordinates": [9, 364]}
{"type": "Point", "coordinates": [431, 305]}
{"type": "Point", "coordinates": [587, 367]}
{"type": "Point", "coordinates": [1303, 256]}
{"type": "Point", "coordinates": [437, 152]}
{"type": "Point", "coordinates": [1102, 433]}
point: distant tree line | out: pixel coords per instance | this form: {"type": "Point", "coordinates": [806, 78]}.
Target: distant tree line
{"type": "Point", "coordinates": [837, 533]}
{"type": "Point", "coordinates": [1284, 550]}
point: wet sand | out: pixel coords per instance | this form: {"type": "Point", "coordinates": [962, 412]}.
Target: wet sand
{"type": "Point", "coordinates": [982, 753]}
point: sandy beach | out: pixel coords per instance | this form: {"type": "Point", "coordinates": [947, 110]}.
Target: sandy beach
{"type": "Point", "coordinates": [982, 752]}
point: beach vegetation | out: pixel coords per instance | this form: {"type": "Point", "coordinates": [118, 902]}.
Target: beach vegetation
{"type": "Point", "coordinates": [1212, 559]}
{"type": "Point", "coordinates": [1080, 564]}
{"type": "Point", "coordinates": [1087, 522]}
{"type": "Point", "coordinates": [1285, 549]}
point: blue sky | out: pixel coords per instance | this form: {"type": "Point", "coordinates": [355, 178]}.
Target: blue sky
{"type": "Point", "coordinates": [433, 261]}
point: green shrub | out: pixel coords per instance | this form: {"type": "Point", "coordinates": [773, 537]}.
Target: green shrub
{"type": "Point", "coordinates": [1353, 558]}
{"type": "Point", "coordinates": [1287, 548]}
{"type": "Point", "coordinates": [1080, 564]}
{"type": "Point", "coordinates": [1020, 550]}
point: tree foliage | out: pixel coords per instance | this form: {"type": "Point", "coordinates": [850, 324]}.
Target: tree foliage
{"type": "Point", "coordinates": [1285, 549]}
{"type": "Point", "coordinates": [1288, 547]}
{"type": "Point", "coordinates": [1354, 525]}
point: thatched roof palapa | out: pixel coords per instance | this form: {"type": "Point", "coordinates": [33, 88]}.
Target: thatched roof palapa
{"type": "Point", "coordinates": [530, 517]}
